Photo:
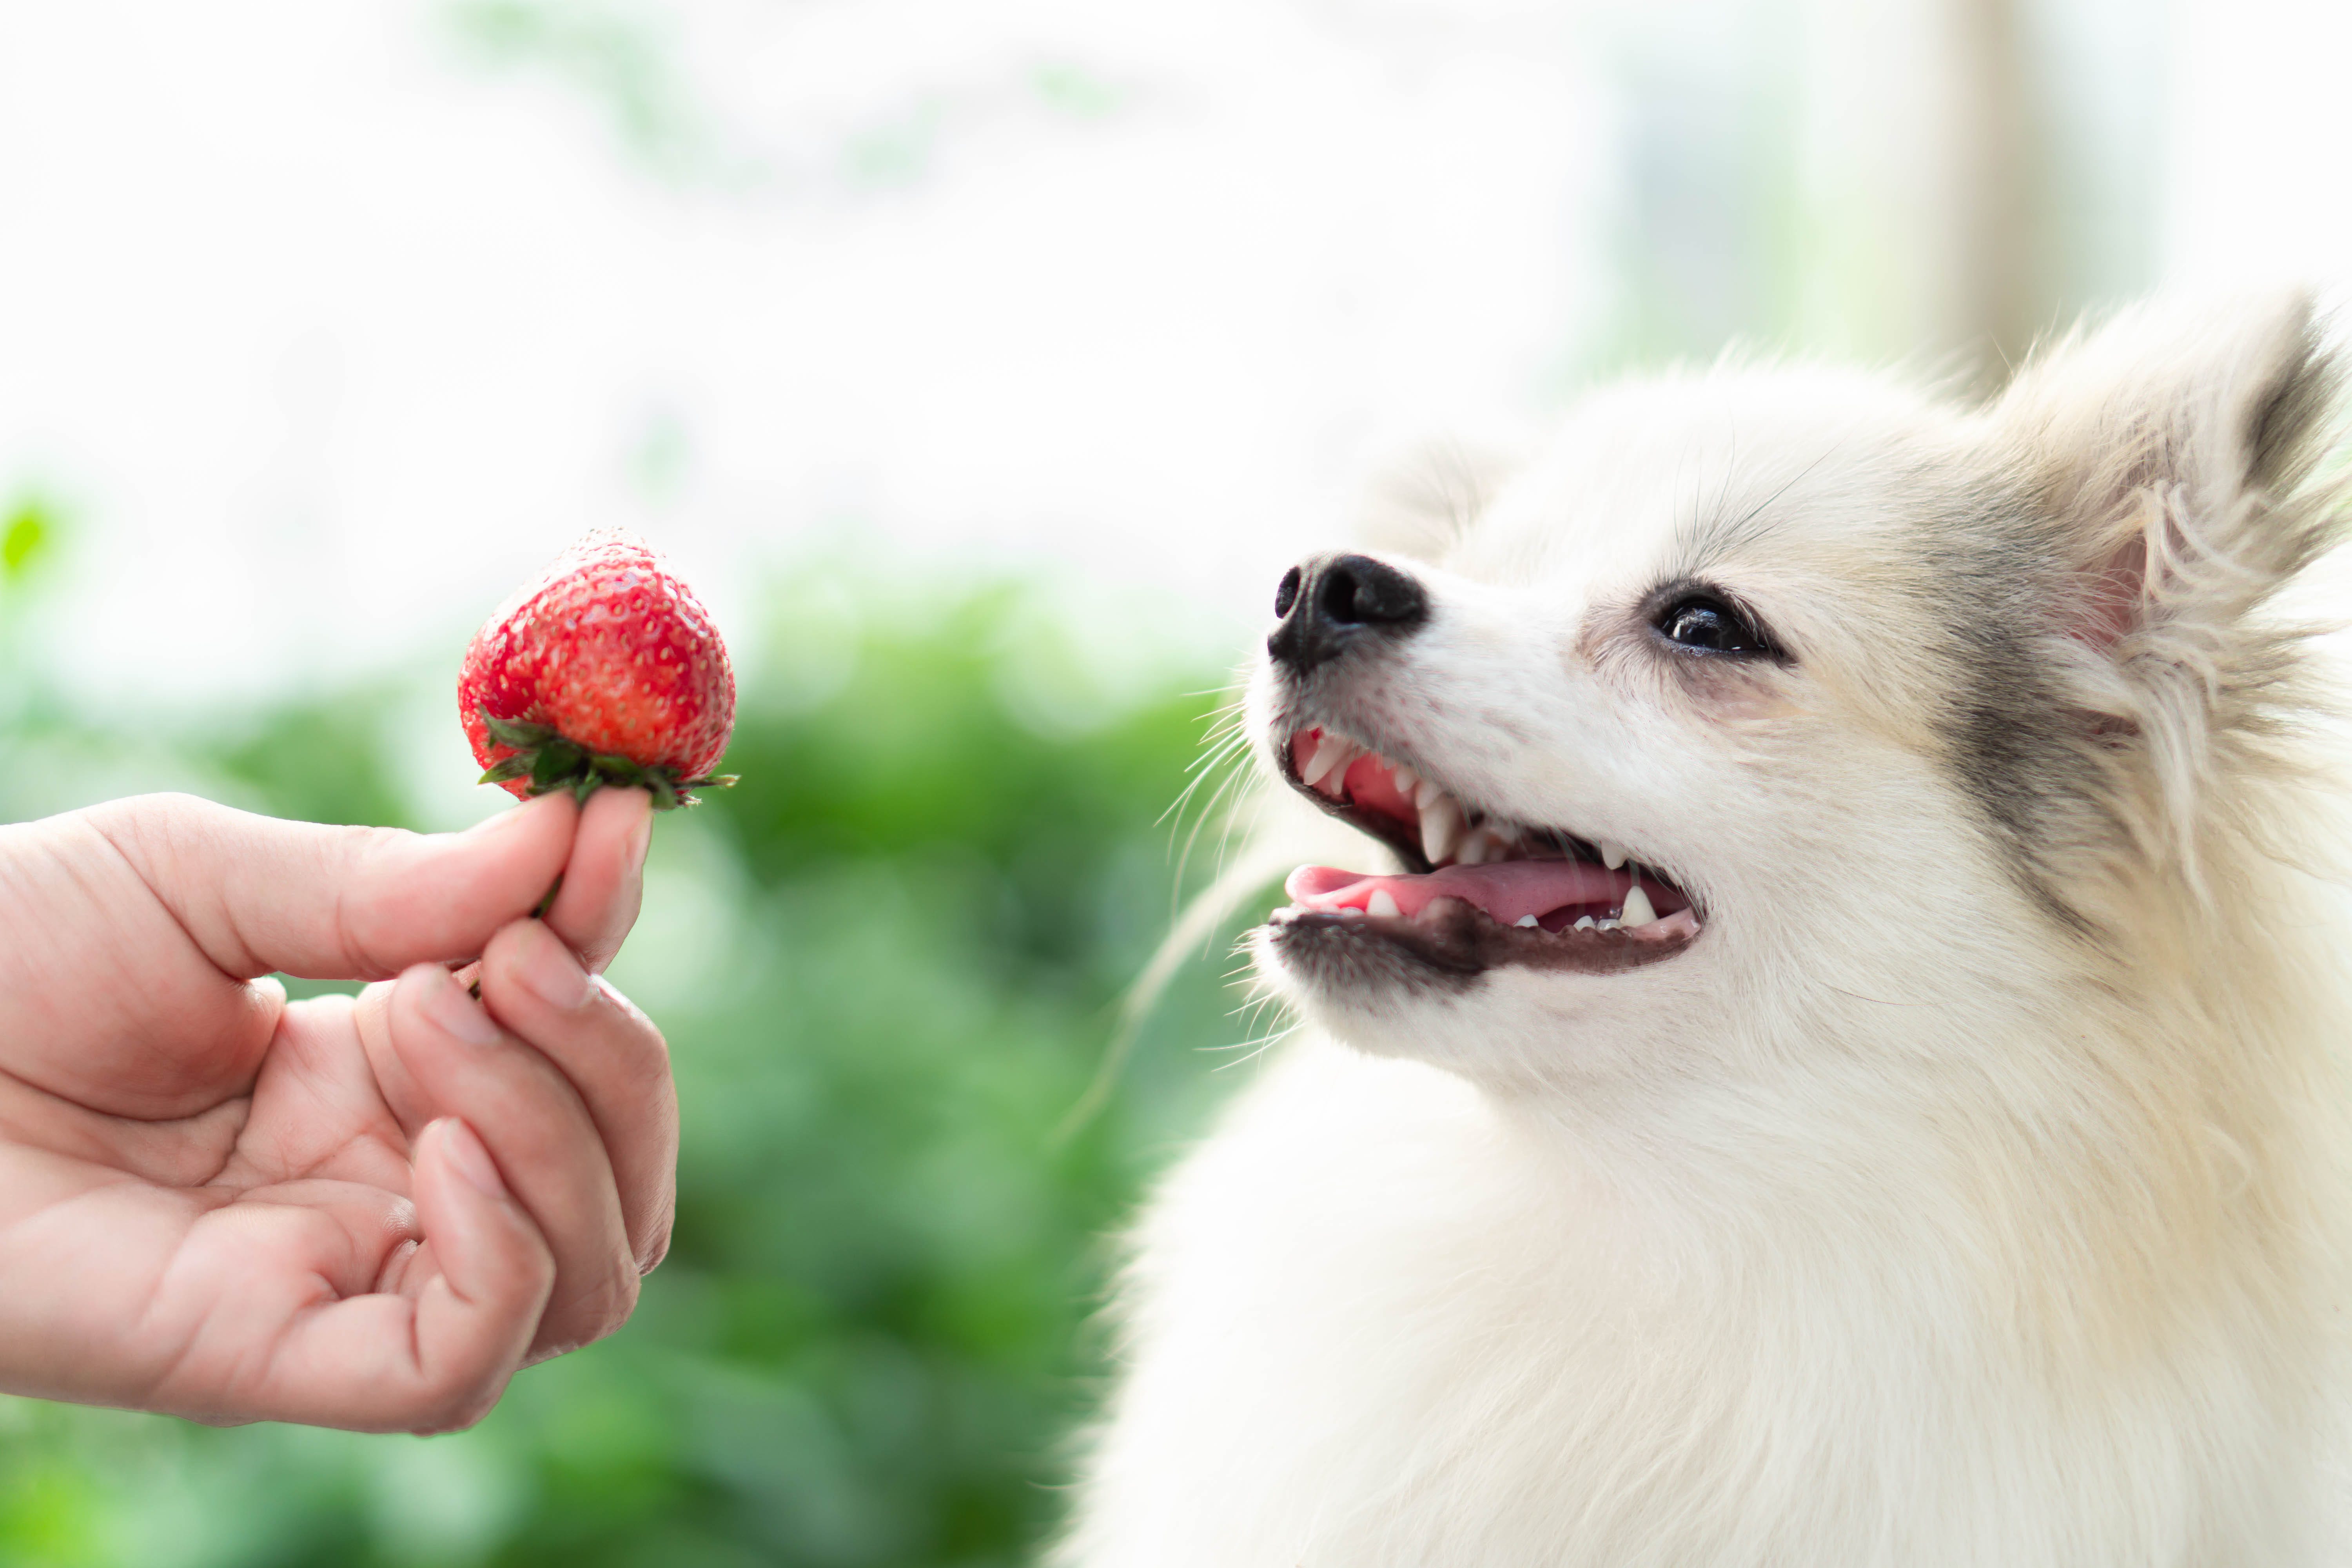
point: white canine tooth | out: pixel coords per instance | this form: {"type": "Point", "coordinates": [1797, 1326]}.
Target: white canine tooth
{"type": "Point", "coordinates": [1405, 777]}
{"type": "Point", "coordinates": [1380, 903]}
{"type": "Point", "coordinates": [1611, 854]}
{"type": "Point", "coordinates": [1637, 911]}
{"type": "Point", "coordinates": [1583, 922]}
{"type": "Point", "coordinates": [1526, 920]}
{"type": "Point", "coordinates": [1426, 794]}
{"type": "Point", "coordinates": [1440, 830]}
{"type": "Point", "coordinates": [1332, 755]}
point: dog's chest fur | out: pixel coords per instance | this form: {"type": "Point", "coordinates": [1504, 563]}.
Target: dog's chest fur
{"type": "Point", "coordinates": [1380, 1327]}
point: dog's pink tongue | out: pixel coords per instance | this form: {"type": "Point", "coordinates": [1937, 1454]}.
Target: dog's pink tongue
{"type": "Point", "coordinates": [1508, 890]}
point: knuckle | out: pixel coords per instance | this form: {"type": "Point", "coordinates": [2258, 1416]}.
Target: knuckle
{"type": "Point", "coordinates": [359, 917]}
{"type": "Point", "coordinates": [163, 809]}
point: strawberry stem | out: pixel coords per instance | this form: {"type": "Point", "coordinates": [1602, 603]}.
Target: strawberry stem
{"type": "Point", "coordinates": [553, 762]}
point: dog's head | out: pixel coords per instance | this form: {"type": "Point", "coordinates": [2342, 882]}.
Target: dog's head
{"type": "Point", "coordinates": [1765, 689]}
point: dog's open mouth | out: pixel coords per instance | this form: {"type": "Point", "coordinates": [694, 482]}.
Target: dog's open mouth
{"type": "Point", "coordinates": [1487, 892]}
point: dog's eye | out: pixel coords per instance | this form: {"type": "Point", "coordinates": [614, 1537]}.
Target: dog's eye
{"type": "Point", "coordinates": [1705, 623]}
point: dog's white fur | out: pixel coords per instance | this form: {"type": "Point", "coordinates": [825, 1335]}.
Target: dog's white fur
{"type": "Point", "coordinates": [1972, 1190]}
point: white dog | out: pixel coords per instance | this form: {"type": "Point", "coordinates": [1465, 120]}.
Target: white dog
{"type": "Point", "coordinates": [1848, 1073]}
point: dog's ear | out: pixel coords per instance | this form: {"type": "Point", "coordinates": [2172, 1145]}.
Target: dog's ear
{"type": "Point", "coordinates": [1418, 503]}
{"type": "Point", "coordinates": [2167, 447]}
{"type": "Point", "coordinates": [2173, 454]}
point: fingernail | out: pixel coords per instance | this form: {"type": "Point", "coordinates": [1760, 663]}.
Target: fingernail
{"type": "Point", "coordinates": [553, 974]}
{"type": "Point", "coordinates": [641, 838]}
{"type": "Point", "coordinates": [490, 827]}
{"type": "Point", "coordinates": [448, 1005]}
{"type": "Point", "coordinates": [471, 1160]}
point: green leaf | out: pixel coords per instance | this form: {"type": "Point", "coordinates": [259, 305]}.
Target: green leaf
{"type": "Point", "coordinates": [506, 768]}
{"type": "Point", "coordinates": [557, 761]}
{"type": "Point", "coordinates": [518, 732]}
{"type": "Point", "coordinates": [618, 770]}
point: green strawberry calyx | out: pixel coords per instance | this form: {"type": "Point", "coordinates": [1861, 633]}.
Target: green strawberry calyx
{"type": "Point", "coordinates": [553, 762]}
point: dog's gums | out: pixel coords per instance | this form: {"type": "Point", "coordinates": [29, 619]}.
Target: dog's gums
{"type": "Point", "coordinates": [1495, 892]}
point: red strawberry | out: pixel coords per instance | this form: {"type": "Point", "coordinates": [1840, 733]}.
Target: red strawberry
{"type": "Point", "coordinates": [606, 669]}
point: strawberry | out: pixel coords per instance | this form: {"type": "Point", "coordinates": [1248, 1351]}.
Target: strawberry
{"type": "Point", "coordinates": [605, 669]}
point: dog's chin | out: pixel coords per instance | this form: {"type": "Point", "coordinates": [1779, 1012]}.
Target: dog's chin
{"type": "Point", "coordinates": [1450, 947]}
{"type": "Point", "coordinates": [1452, 987]}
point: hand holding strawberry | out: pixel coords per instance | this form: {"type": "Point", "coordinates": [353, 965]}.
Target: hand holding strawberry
{"type": "Point", "coordinates": [606, 669]}
{"type": "Point", "coordinates": [358, 1212]}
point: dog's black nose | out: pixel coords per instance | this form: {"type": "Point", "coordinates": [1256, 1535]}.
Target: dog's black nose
{"type": "Point", "coordinates": [1332, 600]}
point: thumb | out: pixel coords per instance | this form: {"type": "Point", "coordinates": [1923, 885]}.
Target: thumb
{"type": "Point", "coordinates": [259, 894]}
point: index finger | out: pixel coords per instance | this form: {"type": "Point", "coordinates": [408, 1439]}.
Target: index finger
{"type": "Point", "coordinates": [603, 879]}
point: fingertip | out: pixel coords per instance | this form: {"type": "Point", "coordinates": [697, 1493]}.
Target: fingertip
{"type": "Point", "coordinates": [467, 1155]}
{"type": "Point", "coordinates": [532, 954]}
{"type": "Point", "coordinates": [555, 805]}
{"type": "Point", "coordinates": [479, 1304]}
{"type": "Point", "coordinates": [438, 1001]}
{"type": "Point", "coordinates": [489, 1249]}
{"type": "Point", "coordinates": [265, 997]}
{"type": "Point", "coordinates": [604, 880]}
{"type": "Point", "coordinates": [641, 836]}
{"type": "Point", "coordinates": [625, 816]}
{"type": "Point", "coordinates": [528, 841]}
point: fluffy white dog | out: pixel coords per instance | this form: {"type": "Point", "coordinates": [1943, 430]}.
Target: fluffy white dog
{"type": "Point", "coordinates": [1847, 1071]}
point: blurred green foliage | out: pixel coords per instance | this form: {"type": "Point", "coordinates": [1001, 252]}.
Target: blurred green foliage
{"type": "Point", "coordinates": [24, 537]}
{"type": "Point", "coordinates": [617, 50]}
{"type": "Point", "coordinates": [886, 964]}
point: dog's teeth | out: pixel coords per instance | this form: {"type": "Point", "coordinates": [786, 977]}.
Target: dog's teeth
{"type": "Point", "coordinates": [1583, 922]}
{"type": "Point", "coordinates": [1332, 755]}
{"type": "Point", "coordinates": [1607, 925]}
{"type": "Point", "coordinates": [1380, 903]}
{"type": "Point", "coordinates": [1478, 846]}
{"type": "Point", "coordinates": [1526, 920]}
{"type": "Point", "coordinates": [1426, 794]}
{"type": "Point", "coordinates": [1637, 911]}
{"type": "Point", "coordinates": [1611, 854]}
{"type": "Point", "coordinates": [1440, 828]}
{"type": "Point", "coordinates": [1404, 778]}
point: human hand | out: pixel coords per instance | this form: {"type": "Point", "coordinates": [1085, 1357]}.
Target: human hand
{"type": "Point", "coordinates": [354, 1211]}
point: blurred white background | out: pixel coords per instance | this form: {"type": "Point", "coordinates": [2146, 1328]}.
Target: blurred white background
{"type": "Point", "coordinates": [325, 324]}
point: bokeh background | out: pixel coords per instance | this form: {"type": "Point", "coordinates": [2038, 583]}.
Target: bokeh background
{"type": "Point", "coordinates": [984, 363]}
